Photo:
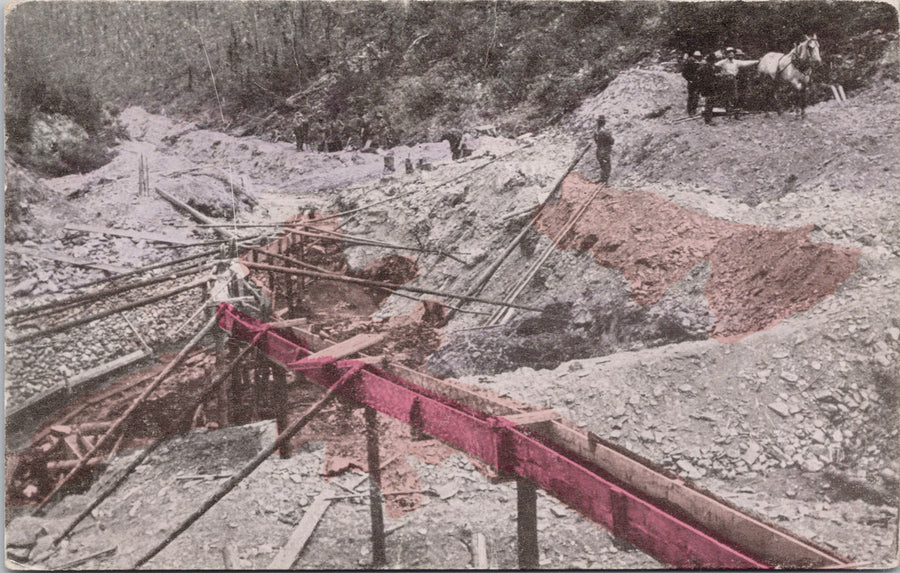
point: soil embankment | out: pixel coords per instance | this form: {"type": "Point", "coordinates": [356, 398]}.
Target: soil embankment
{"type": "Point", "coordinates": [758, 276]}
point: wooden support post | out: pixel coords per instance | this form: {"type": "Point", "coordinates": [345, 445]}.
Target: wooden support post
{"type": "Point", "coordinates": [238, 397]}
{"type": "Point", "coordinates": [227, 388]}
{"type": "Point", "coordinates": [379, 557]}
{"type": "Point", "coordinates": [526, 524]}
{"type": "Point", "coordinates": [290, 295]}
{"type": "Point", "coordinates": [260, 384]}
{"type": "Point", "coordinates": [279, 395]}
{"type": "Point", "coordinates": [302, 257]}
{"type": "Point", "coordinates": [204, 296]}
{"type": "Point", "coordinates": [234, 392]}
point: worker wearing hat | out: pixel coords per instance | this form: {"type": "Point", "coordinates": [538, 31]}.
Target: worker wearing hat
{"type": "Point", "coordinates": [728, 69]}
{"type": "Point", "coordinates": [690, 71]}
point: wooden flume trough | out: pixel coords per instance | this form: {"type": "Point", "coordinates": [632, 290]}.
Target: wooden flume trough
{"type": "Point", "coordinates": [664, 516]}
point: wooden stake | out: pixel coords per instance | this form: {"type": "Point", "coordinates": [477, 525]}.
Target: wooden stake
{"type": "Point", "coordinates": [479, 551]}
{"type": "Point", "coordinates": [526, 524]}
{"type": "Point", "coordinates": [279, 396]}
{"type": "Point", "coordinates": [379, 556]}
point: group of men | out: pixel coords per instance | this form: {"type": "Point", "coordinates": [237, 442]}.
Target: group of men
{"type": "Point", "coordinates": [334, 134]}
{"type": "Point", "coordinates": [715, 78]}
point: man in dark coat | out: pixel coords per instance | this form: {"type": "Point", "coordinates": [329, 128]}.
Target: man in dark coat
{"type": "Point", "coordinates": [604, 141]}
{"type": "Point", "coordinates": [706, 83]}
{"type": "Point", "coordinates": [454, 138]}
{"type": "Point", "coordinates": [300, 126]}
{"type": "Point", "coordinates": [690, 71]}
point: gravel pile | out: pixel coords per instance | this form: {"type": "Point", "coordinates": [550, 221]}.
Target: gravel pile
{"type": "Point", "coordinates": [39, 365]}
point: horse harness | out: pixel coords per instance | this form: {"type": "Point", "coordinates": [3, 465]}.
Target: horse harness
{"type": "Point", "coordinates": [803, 64]}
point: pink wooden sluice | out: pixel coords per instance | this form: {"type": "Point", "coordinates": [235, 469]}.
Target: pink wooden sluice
{"type": "Point", "coordinates": [653, 526]}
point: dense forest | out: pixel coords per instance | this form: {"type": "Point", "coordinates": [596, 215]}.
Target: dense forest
{"type": "Point", "coordinates": [424, 65]}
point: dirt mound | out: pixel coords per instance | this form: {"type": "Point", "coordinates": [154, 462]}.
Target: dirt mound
{"type": "Point", "coordinates": [758, 276]}
{"type": "Point", "coordinates": [391, 269]}
{"type": "Point", "coordinates": [631, 96]}
{"type": "Point", "coordinates": [597, 324]}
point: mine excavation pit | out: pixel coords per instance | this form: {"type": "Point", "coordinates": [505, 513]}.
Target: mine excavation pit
{"type": "Point", "coordinates": [353, 287]}
{"type": "Point", "coordinates": [319, 301]}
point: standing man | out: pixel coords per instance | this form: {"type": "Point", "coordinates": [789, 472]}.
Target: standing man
{"type": "Point", "coordinates": [729, 68]}
{"type": "Point", "coordinates": [604, 141]}
{"type": "Point", "coordinates": [706, 81]}
{"type": "Point", "coordinates": [454, 138]}
{"type": "Point", "coordinates": [300, 126]}
{"type": "Point", "coordinates": [691, 72]}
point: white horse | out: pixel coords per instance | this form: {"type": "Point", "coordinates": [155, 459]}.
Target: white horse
{"type": "Point", "coordinates": [794, 68]}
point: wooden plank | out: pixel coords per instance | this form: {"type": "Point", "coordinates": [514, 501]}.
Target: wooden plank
{"type": "Point", "coordinates": [770, 542]}
{"type": "Point", "coordinates": [83, 560]}
{"type": "Point", "coordinates": [304, 530]}
{"type": "Point", "coordinates": [479, 552]}
{"type": "Point", "coordinates": [470, 396]}
{"type": "Point", "coordinates": [72, 441]}
{"type": "Point", "coordinates": [13, 414]}
{"type": "Point", "coordinates": [61, 429]}
{"type": "Point", "coordinates": [348, 347]}
{"type": "Point", "coordinates": [12, 464]}
{"type": "Point", "coordinates": [533, 418]}
{"type": "Point", "coordinates": [138, 235]}
{"type": "Point", "coordinates": [195, 214]}
{"type": "Point", "coordinates": [291, 322]}
{"type": "Point", "coordinates": [61, 258]}
{"type": "Point", "coordinates": [105, 369]}
{"type": "Point", "coordinates": [230, 556]}
{"type": "Point", "coordinates": [83, 442]}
